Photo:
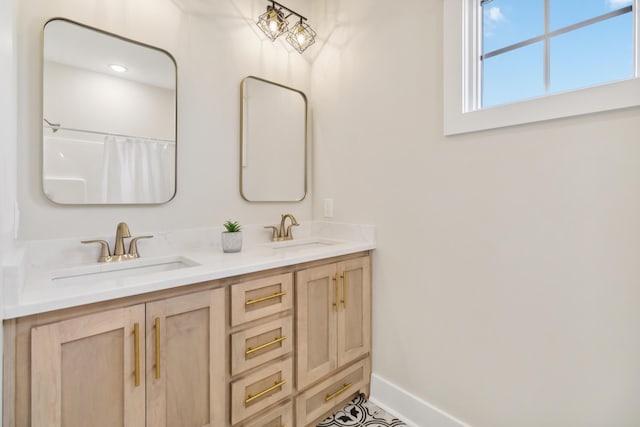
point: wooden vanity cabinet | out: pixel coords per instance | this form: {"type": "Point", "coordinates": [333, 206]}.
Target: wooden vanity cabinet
{"type": "Point", "coordinates": [333, 304]}
{"type": "Point", "coordinates": [315, 403]}
{"type": "Point", "coordinates": [89, 368]}
{"type": "Point", "coordinates": [185, 369]}
{"type": "Point", "coordinates": [284, 347]}
{"type": "Point", "coordinates": [281, 416]}
{"type": "Point", "coordinates": [156, 364]}
{"type": "Point", "coordinates": [332, 342]}
{"type": "Point", "coordinates": [259, 298]}
{"type": "Point", "coordinates": [261, 349]}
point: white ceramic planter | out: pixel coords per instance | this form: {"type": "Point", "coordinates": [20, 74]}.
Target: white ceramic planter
{"type": "Point", "coordinates": [231, 241]}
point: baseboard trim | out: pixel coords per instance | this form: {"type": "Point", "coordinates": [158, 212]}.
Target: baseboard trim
{"type": "Point", "coordinates": [407, 407]}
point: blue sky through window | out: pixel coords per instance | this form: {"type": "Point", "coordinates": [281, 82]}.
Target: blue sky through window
{"type": "Point", "coordinates": [595, 54]}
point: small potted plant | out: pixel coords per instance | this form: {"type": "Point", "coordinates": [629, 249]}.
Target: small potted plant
{"type": "Point", "coordinates": [232, 237]}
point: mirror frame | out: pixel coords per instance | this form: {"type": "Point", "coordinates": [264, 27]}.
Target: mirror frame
{"type": "Point", "coordinates": [306, 137]}
{"type": "Point", "coordinates": [126, 39]}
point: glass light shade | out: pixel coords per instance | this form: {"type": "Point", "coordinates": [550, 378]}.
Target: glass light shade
{"type": "Point", "coordinates": [301, 36]}
{"type": "Point", "coordinates": [273, 23]}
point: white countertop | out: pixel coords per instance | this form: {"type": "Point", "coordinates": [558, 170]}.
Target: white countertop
{"type": "Point", "coordinates": [36, 292]}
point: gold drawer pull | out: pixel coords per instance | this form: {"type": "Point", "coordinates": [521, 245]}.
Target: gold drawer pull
{"type": "Point", "coordinates": [255, 301]}
{"type": "Point", "coordinates": [338, 393]}
{"type": "Point", "coordinates": [136, 353]}
{"type": "Point", "coordinates": [250, 398]}
{"type": "Point", "coordinates": [335, 285]}
{"type": "Point", "coordinates": [157, 348]}
{"type": "Point", "coordinates": [263, 346]}
{"type": "Point", "coordinates": [344, 289]}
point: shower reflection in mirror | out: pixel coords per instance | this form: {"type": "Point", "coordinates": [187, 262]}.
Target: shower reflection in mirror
{"type": "Point", "coordinates": [109, 118]}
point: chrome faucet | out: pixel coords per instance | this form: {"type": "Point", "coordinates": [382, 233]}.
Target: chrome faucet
{"type": "Point", "coordinates": [122, 232]}
{"type": "Point", "coordinates": [283, 233]}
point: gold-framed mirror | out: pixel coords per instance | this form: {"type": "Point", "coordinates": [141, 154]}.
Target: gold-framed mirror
{"type": "Point", "coordinates": [109, 118]}
{"type": "Point", "coordinates": [273, 142]}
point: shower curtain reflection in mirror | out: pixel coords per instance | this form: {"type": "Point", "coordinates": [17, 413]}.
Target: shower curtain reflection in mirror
{"type": "Point", "coordinates": [135, 170]}
{"type": "Point", "coordinates": [94, 168]}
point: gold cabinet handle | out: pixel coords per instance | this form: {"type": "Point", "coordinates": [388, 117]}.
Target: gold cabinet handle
{"type": "Point", "coordinates": [343, 276]}
{"type": "Point", "coordinates": [263, 346]}
{"type": "Point", "coordinates": [255, 301]}
{"type": "Point", "coordinates": [335, 285]}
{"type": "Point", "coordinates": [157, 348]}
{"type": "Point", "coordinates": [250, 398]}
{"type": "Point", "coordinates": [338, 393]}
{"type": "Point", "coordinates": [136, 353]}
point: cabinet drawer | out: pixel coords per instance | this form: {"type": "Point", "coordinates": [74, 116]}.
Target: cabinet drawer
{"type": "Point", "coordinates": [279, 417]}
{"type": "Point", "coordinates": [320, 400]}
{"type": "Point", "coordinates": [261, 297]}
{"type": "Point", "coordinates": [257, 391]}
{"type": "Point", "coordinates": [253, 347]}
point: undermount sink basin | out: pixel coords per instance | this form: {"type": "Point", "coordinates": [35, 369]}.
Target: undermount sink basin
{"type": "Point", "coordinates": [294, 245]}
{"type": "Point", "coordinates": [118, 270]}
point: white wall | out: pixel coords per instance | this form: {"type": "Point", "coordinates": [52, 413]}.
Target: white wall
{"type": "Point", "coordinates": [215, 44]}
{"type": "Point", "coordinates": [7, 137]}
{"type": "Point", "coordinates": [506, 280]}
{"type": "Point", "coordinates": [8, 106]}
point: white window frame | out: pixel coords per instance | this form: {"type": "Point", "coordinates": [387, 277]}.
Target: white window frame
{"type": "Point", "coordinates": [462, 113]}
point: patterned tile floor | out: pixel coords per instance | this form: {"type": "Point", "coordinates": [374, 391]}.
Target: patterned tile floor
{"type": "Point", "coordinates": [361, 413]}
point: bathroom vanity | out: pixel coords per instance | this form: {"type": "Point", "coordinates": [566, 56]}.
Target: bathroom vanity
{"type": "Point", "coordinates": [273, 336]}
{"type": "Point", "coordinates": [184, 336]}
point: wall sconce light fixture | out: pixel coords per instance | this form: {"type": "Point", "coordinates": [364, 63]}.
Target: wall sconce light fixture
{"type": "Point", "coordinates": [274, 24]}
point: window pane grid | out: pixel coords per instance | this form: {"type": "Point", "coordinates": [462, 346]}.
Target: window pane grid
{"type": "Point", "coordinates": [557, 32]}
{"type": "Point", "coordinates": [488, 99]}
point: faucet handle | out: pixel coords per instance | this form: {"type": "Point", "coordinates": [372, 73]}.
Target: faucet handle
{"type": "Point", "coordinates": [105, 253]}
{"type": "Point", "coordinates": [133, 246]}
{"type": "Point", "coordinates": [274, 232]}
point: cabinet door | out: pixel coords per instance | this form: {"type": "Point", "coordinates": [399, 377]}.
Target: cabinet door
{"type": "Point", "coordinates": [354, 315]}
{"type": "Point", "coordinates": [316, 298]}
{"type": "Point", "coordinates": [186, 361]}
{"type": "Point", "coordinates": [89, 371]}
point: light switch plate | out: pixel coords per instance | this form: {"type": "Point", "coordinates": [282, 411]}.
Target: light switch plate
{"type": "Point", "coordinates": [328, 208]}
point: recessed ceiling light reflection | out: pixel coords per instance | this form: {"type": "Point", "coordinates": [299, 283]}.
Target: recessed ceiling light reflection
{"type": "Point", "coordinates": [118, 68]}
